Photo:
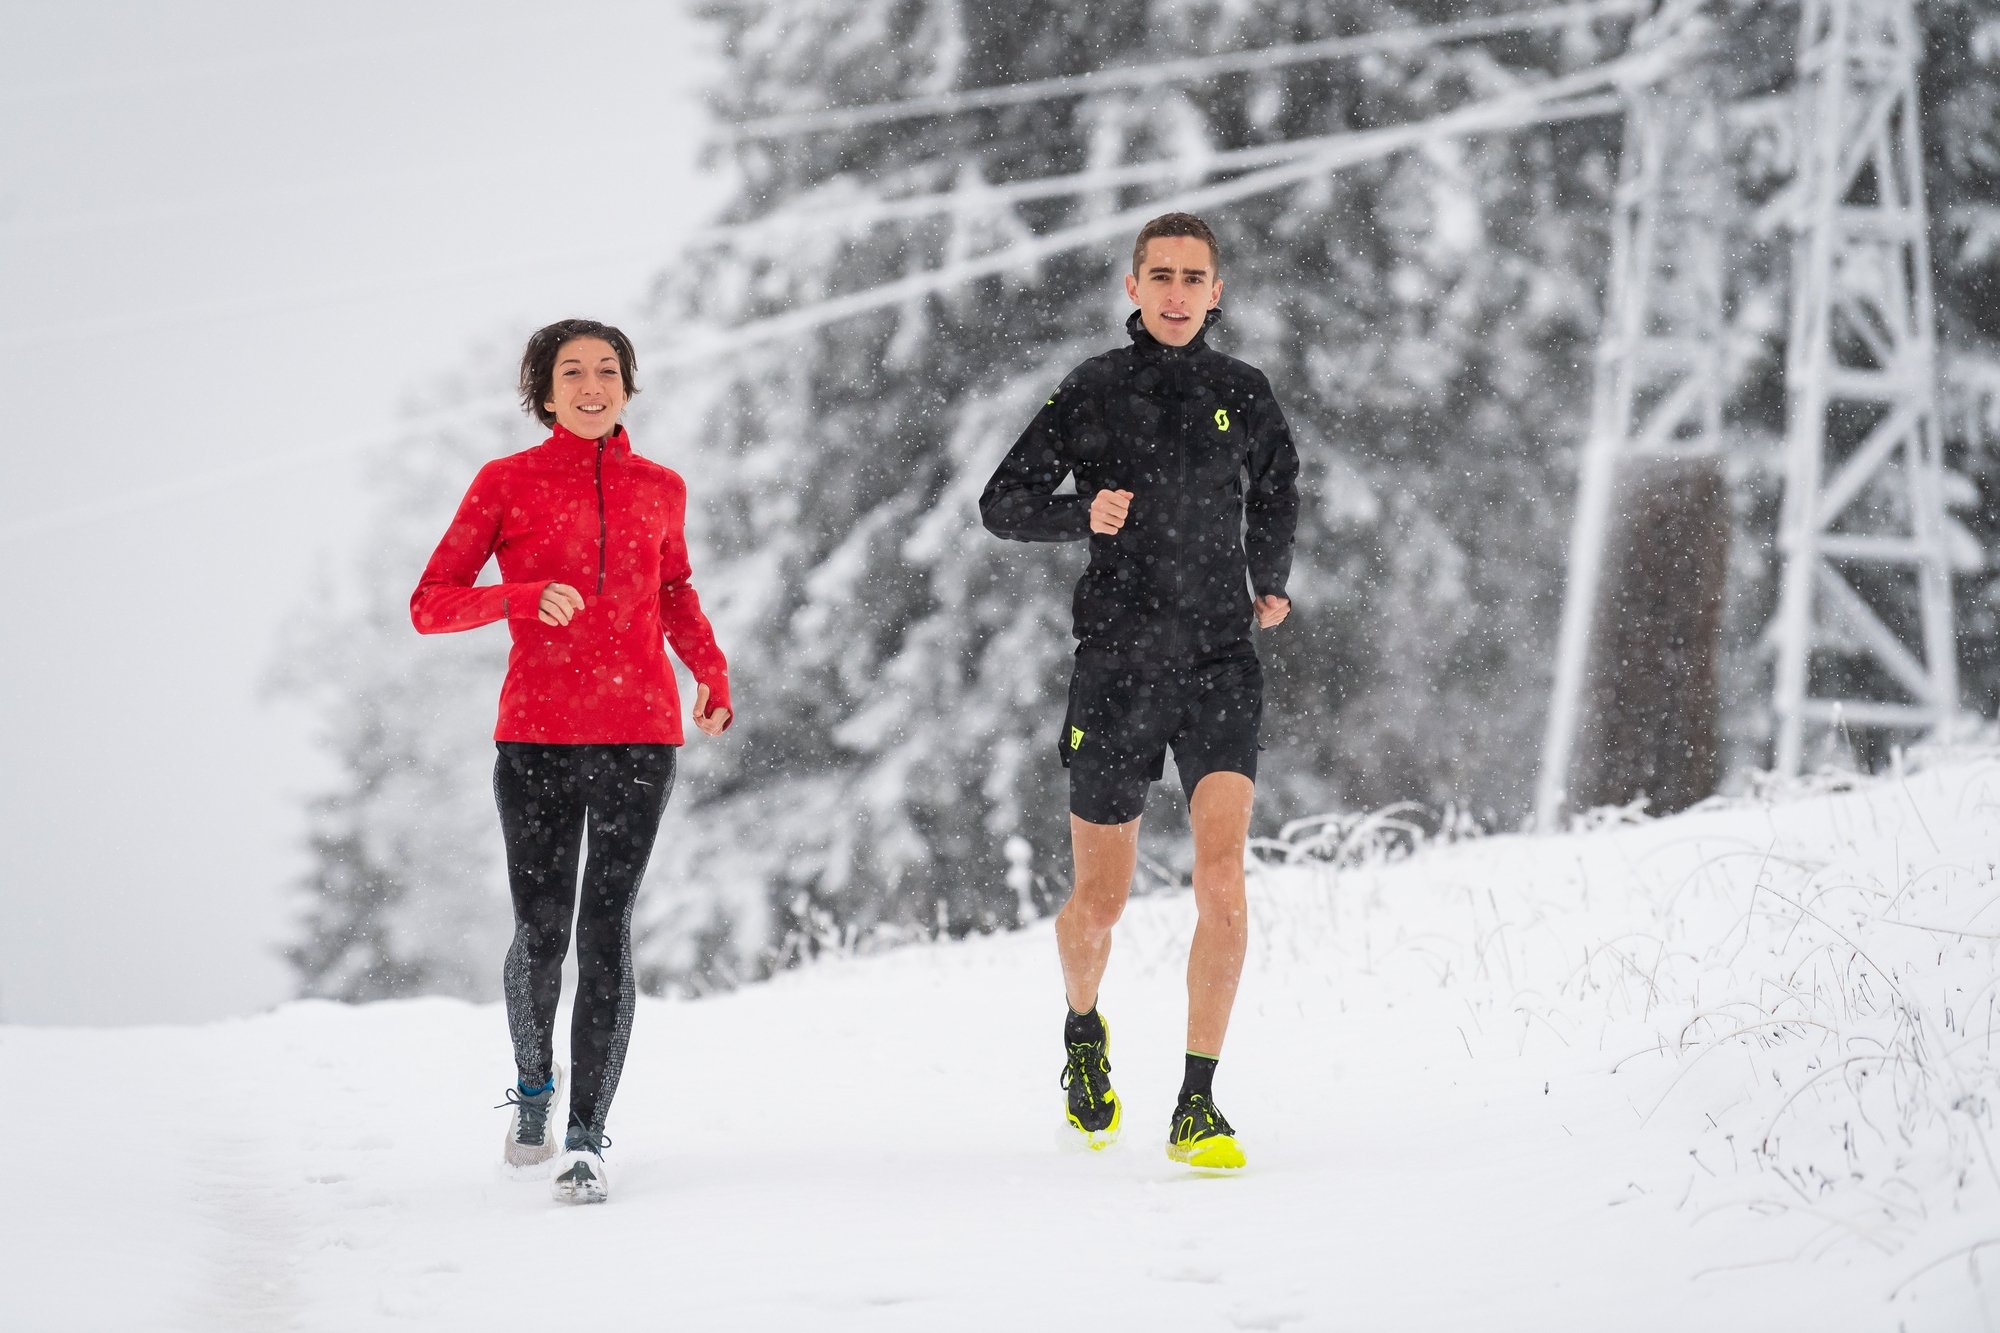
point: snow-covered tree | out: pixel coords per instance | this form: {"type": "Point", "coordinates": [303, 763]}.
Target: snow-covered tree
{"type": "Point", "coordinates": [1427, 318]}
{"type": "Point", "coordinates": [407, 892]}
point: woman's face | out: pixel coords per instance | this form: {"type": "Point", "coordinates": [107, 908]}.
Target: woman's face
{"type": "Point", "coordinates": [588, 390]}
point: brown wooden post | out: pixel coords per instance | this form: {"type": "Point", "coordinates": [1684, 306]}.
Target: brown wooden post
{"type": "Point", "coordinates": [1652, 701]}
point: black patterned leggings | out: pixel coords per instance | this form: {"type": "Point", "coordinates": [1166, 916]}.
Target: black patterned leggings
{"type": "Point", "coordinates": [548, 795]}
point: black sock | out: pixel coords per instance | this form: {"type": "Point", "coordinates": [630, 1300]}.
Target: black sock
{"type": "Point", "coordinates": [1200, 1076]}
{"type": "Point", "coordinates": [1079, 1028]}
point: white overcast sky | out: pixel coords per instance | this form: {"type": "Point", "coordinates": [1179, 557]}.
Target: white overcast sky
{"type": "Point", "coordinates": [234, 237]}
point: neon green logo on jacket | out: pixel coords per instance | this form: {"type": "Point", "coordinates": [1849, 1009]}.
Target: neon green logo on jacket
{"type": "Point", "coordinates": [1222, 418]}
{"type": "Point", "coordinates": [1076, 738]}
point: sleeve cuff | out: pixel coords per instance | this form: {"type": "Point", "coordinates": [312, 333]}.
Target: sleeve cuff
{"type": "Point", "coordinates": [523, 601]}
{"type": "Point", "coordinates": [718, 697]}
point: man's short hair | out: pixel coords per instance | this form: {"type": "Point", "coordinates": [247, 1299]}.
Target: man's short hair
{"type": "Point", "coordinates": [1176, 224]}
{"type": "Point", "coordinates": [538, 363]}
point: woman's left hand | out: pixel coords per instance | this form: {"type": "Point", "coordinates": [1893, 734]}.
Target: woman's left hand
{"type": "Point", "coordinates": [711, 723]}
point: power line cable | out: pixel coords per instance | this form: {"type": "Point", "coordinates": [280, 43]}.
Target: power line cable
{"type": "Point", "coordinates": [1556, 99]}
{"type": "Point", "coordinates": [192, 486]}
{"type": "Point", "coordinates": [1191, 67]}
{"type": "Point", "coordinates": [298, 300]}
{"type": "Point", "coordinates": [1583, 94]}
{"type": "Point", "coordinates": [961, 199]}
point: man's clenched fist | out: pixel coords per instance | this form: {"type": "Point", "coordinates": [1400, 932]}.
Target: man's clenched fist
{"type": "Point", "coordinates": [1108, 510]}
{"type": "Point", "coordinates": [1271, 611]}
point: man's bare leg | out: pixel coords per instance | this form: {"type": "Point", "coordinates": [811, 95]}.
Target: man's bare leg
{"type": "Point", "coordinates": [1106, 855]}
{"type": "Point", "coordinates": [1220, 813]}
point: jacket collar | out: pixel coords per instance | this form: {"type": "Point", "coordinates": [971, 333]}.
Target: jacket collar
{"type": "Point", "coordinates": [1152, 346]}
{"type": "Point", "coordinates": [566, 441]}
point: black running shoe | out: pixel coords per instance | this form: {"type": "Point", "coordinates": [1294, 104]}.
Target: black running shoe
{"type": "Point", "coordinates": [1200, 1136]}
{"type": "Point", "coordinates": [1093, 1107]}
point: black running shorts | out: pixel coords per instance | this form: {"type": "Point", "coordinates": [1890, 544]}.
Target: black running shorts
{"type": "Point", "coordinates": [1123, 719]}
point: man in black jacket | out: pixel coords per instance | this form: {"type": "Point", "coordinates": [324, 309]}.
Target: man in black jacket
{"type": "Point", "coordinates": [1185, 482]}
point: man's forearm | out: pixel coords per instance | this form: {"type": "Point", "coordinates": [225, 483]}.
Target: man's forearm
{"type": "Point", "coordinates": [1026, 517]}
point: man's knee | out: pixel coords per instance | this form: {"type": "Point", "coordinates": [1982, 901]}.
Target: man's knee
{"type": "Point", "coordinates": [1220, 815]}
{"type": "Point", "coordinates": [1220, 896]}
{"type": "Point", "coordinates": [1219, 880]}
{"type": "Point", "coordinates": [1096, 904]}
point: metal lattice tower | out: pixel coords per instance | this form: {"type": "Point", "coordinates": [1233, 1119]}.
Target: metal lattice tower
{"type": "Point", "coordinates": [1863, 635]}
{"type": "Point", "coordinates": [1659, 377]}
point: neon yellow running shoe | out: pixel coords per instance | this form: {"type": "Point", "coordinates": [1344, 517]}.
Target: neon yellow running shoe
{"type": "Point", "coordinates": [1200, 1136]}
{"type": "Point", "coordinates": [1093, 1107]}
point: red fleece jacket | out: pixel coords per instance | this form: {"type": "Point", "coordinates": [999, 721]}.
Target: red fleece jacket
{"type": "Point", "coordinates": [594, 515]}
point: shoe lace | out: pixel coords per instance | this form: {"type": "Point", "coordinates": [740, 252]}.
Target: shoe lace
{"type": "Point", "coordinates": [1199, 1119]}
{"type": "Point", "coordinates": [1088, 1064]}
{"type": "Point", "coordinates": [533, 1112]}
{"type": "Point", "coordinates": [583, 1140]}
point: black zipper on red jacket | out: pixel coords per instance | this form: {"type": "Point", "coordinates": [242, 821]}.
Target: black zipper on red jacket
{"type": "Point", "coordinates": [603, 533]}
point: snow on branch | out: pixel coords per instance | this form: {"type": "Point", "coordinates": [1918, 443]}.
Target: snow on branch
{"type": "Point", "coordinates": [1565, 98]}
{"type": "Point", "coordinates": [861, 216]}
{"type": "Point", "coordinates": [1192, 67]}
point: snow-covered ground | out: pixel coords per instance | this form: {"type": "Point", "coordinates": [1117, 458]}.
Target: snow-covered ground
{"type": "Point", "coordinates": [1732, 1070]}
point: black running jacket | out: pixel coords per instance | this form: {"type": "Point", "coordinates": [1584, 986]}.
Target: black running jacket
{"type": "Point", "coordinates": [1199, 441]}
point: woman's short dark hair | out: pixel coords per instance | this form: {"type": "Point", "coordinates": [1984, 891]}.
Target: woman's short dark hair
{"type": "Point", "coordinates": [538, 363]}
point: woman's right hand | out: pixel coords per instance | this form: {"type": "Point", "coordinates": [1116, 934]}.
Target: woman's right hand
{"type": "Point", "coordinates": [559, 603]}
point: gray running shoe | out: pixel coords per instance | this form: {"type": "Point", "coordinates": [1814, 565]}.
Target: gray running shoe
{"type": "Point", "coordinates": [579, 1175]}
{"type": "Point", "coordinates": [529, 1142]}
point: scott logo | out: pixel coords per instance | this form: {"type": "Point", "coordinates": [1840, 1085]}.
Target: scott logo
{"type": "Point", "coordinates": [1222, 418]}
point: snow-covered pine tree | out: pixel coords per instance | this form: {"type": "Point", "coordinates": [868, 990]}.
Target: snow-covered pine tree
{"type": "Point", "coordinates": [407, 893]}
{"type": "Point", "coordinates": [1425, 319]}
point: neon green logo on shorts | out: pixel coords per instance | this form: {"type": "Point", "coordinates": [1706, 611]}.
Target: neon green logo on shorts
{"type": "Point", "coordinates": [1222, 418]}
{"type": "Point", "coordinates": [1076, 738]}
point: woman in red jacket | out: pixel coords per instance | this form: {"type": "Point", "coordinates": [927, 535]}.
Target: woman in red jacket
{"type": "Point", "coordinates": [594, 572]}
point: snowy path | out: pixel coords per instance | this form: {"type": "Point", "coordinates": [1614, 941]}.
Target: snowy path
{"type": "Point", "coordinates": [1421, 1068]}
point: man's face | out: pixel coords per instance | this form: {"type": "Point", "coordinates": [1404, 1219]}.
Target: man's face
{"type": "Point", "coordinates": [1175, 288]}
